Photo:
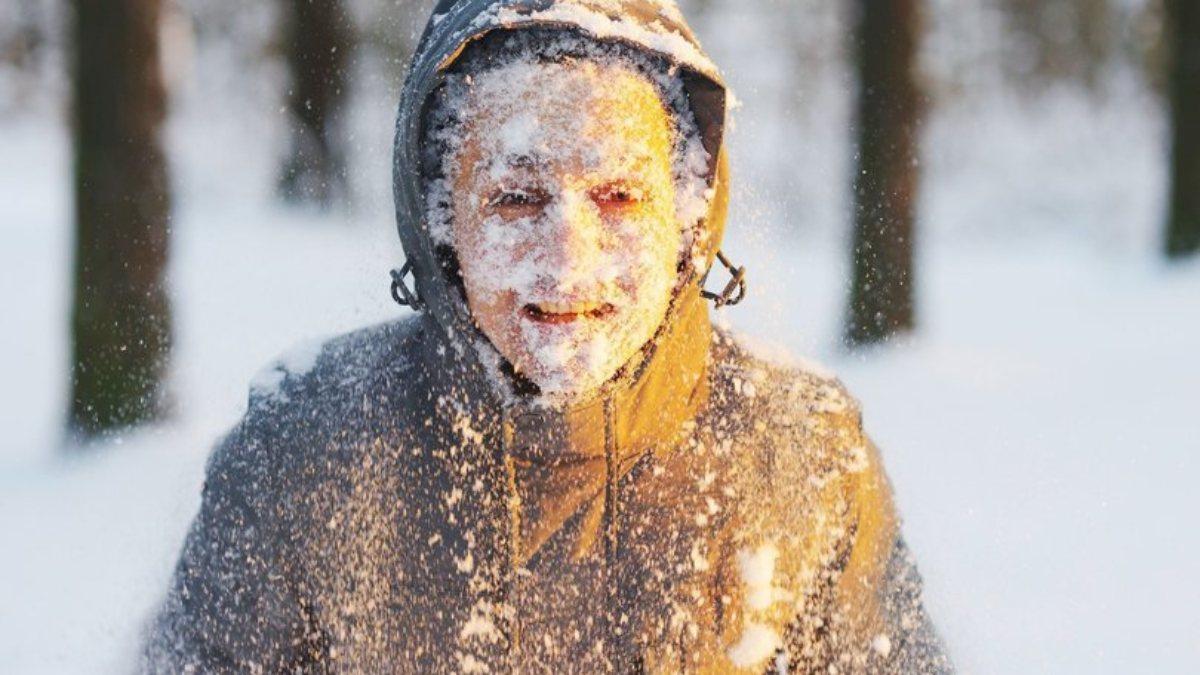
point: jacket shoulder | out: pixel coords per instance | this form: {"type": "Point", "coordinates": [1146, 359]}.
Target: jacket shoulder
{"type": "Point", "coordinates": [798, 429]}
{"type": "Point", "coordinates": [304, 409]}
{"type": "Point", "coordinates": [319, 369]}
{"type": "Point", "coordinates": [318, 392]}
{"type": "Point", "coordinates": [780, 390]}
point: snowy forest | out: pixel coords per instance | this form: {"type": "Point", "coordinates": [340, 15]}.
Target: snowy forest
{"type": "Point", "coordinates": [982, 215]}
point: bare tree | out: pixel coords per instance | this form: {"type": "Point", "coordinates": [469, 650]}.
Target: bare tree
{"type": "Point", "coordinates": [885, 183]}
{"type": "Point", "coordinates": [1183, 227]}
{"type": "Point", "coordinates": [121, 319]}
{"type": "Point", "coordinates": [318, 38]}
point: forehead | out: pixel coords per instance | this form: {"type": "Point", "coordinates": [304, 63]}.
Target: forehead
{"type": "Point", "coordinates": [529, 115]}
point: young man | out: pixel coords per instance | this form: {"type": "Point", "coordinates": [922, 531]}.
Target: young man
{"type": "Point", "coordinates": [557, 464]}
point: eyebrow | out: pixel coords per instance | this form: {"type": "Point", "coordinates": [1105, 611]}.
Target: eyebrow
{"type": "Point", "coordinates": [516, 162]}
{"type": "Point", "coordinates": [524, 161]}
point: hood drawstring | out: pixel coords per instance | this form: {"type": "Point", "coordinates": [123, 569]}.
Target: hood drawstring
{"type": "Point", "coordinates": [512, 503]}
{"type": "Point", "coordinates": [512, 499]}
{"type": "Point", "coordinates": [611, 506]}
{"type": "Point", "coordinates": [610, 484]}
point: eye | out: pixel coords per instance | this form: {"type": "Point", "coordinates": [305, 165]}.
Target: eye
{"type": "Point", "coordinates": [618, 195]}
{"type": "Point", "coordinates": [519, 198]}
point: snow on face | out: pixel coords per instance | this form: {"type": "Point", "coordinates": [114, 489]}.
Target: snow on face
{"type": "Point", "coordinates": [564, 217]}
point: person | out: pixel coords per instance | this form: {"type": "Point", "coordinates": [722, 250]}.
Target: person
{"type": "Point", "coordinates": [556, 463]}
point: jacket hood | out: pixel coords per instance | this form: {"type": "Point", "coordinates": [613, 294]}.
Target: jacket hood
{"type": "Point", "coordinates": [654, 26]}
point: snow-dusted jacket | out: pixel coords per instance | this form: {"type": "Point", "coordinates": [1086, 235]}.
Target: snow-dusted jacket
{"type": "Point", "coordinates": [388, 508]}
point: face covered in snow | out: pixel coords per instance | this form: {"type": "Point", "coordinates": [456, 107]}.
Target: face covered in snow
{"type": "Point", "coordinates": [564, 217]}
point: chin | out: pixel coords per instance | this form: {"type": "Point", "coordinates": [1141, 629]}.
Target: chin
{"type": "Point", "coordinates": [574, 381]}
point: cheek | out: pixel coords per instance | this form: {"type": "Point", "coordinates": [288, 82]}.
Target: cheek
{"type": "Point", "coordinates": [495, 313]}
{"type": "Point", "coordinates": [649, 247]}
{"type": "Point", "coordinates": [493, 254]}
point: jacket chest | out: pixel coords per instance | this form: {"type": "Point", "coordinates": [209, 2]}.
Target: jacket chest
{"type": "Point", "coordinates": [427, 582]}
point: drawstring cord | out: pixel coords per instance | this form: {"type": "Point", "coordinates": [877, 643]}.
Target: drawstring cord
{"type": "Point", "coordinates": [611, 473]}
{"type": "Point", "coordinates": [610, 485]}
{"type": "Point", "coordinates": [512, 501]}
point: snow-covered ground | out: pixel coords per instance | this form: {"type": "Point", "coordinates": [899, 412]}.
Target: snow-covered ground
{"type": "Point", "coordinates": [1040, 428]}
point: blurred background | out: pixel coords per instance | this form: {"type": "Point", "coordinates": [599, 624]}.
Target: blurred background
{"type": "Point", "coordinates": [984, 215]}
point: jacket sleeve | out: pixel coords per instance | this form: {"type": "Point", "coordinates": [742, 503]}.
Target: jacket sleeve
{"type": "Point", "coordinates": [875, 613]}
{"type": "Point", "coordinates": [231, 606]}
{"type": "Point", "coordinates": [908, 642]}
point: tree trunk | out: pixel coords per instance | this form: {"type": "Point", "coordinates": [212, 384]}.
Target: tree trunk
{"type": "Point", "coordinates": [1183, 227]}
{"type": "Point", "coordinates": [885, 183]}
{"type": "Point", "coordinates": [120, 322]}
{"type": "Point", "coordinates": [318, 40]}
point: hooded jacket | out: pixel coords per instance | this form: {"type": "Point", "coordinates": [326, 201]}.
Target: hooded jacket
{"type": "Point", "coordinates": [391, 509]}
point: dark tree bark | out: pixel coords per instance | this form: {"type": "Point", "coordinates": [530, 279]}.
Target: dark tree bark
{"type": "Point", "coordinates": [121, 320]}
{"type": "Point", "coordinates": [1183, 227]}
{"type": "Point", "coordinates": [885, 182]}
{"type": "Point", "coordinates": [317, 38]}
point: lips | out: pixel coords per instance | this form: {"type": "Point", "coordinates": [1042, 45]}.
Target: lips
{"type": "Point", "coordinates": [566, 312]}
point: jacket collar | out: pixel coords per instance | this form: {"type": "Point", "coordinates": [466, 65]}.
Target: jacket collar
{"type": "Point", "coordinates": [648, 406]}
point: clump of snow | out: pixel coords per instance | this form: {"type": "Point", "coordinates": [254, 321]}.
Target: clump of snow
{"type": "Point", "coordinates": [757, 569]}
{"type": "Point", "coordinates": [858, 460]}
{"type": "Point", "coordinates": [481, 625]}
{"type": "Point", "coordinates": [297, 362]}
{"type": "Point", "coordinates": [699, 560]}
{"type": "Point", "coordinates": [781, 663]}
{"type": "Point", "coordinates": [758, 640]}
{"type": "Point", "coordinates": [882, 645]}
{"type": "Point", "coordinates": [469, 663]}
{"type": "Point", "coordinates": [605, 19]}
{"type": "Point", "coordinates": [758, 643]}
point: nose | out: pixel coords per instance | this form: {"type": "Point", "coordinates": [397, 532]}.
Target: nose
{"type": "Point", "coordinates": [572, 239]}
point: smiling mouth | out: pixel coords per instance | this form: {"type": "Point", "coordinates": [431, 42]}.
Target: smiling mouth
{"type": "Point", "coordinates": [559, 313]}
